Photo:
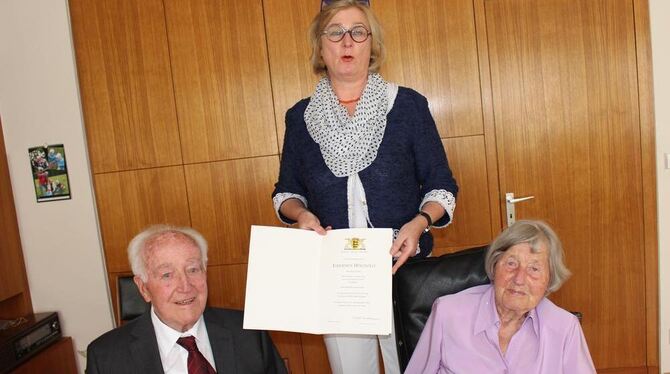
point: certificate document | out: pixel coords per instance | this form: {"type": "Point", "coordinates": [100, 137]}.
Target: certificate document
{"type": "Point", "coordinates": [340, 283]}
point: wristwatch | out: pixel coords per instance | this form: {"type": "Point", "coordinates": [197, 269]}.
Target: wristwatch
{"type": "Point", "coordinates": [427, 217]}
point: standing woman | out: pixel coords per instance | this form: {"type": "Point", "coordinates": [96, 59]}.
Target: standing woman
{"type": "Point", "coordinates": [362, 152]}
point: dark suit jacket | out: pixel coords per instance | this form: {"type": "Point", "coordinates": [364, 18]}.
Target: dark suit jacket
{"type": "Point", "coordinates": [132, 348]}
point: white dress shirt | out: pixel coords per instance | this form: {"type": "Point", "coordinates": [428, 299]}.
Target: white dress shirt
{"type": "Point", "coordinates": [173, 356]}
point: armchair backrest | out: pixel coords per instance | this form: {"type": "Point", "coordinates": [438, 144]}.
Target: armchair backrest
{"type": "Point", "coordinates": [418, 283]}
{"type": "Point", "coordinates": [131, 304]}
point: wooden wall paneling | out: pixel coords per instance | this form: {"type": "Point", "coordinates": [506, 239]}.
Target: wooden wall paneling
{"type": "Point", "coordinates": [289, 346]}
{"type": "Point", "coordinates": [286, 24]}
{"type": "Point", "coordinates": [227, 286]}
{"type": "Point", "coordinates": [221, 79]}
{"type": "Point", "coordinates": [636, 370]}
{"type": "Point", "coordinates": [496, 217]}
{"type": "Point", "coordinates": [565, 98]}
{"type": "Point", "coordinates": [132, 200]}
{"type": "Point", "coordinates": [647, 136]}
{"type": "Point", "coordinates": [226, 198]}
{"type": "Point", "coordinates": [315, 354]}
{"type": "Point", "coordinates": [471, 227]}
{"type": "Point", "coordinates": [126, 86]}
{"type": "Point", "coordinates": [432, 48]}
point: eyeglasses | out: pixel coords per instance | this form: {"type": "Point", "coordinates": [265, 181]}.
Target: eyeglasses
{"type": "Point", "coordinates": [325, 3]}
{"type": "Point", "coordinates": [335, 33]}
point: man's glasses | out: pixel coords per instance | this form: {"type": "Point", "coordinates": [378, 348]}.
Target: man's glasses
{"type": "Point", "coordinates": [335, 33]}
{"type": "Point", "coordinates": [325, 3]}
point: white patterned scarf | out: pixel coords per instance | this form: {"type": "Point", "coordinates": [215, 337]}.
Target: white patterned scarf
{"type": "Point", "coordinates": [348, 144]}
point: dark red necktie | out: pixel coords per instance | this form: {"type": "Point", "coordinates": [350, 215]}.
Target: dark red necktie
{"type": "Point", "coordinates": [197, 363]}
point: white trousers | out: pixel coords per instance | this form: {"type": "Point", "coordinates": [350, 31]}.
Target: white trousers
{"type": "Point", "coordinates": [357, 354]}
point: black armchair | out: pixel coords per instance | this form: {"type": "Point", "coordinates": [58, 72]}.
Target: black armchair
{"type": "Point", "coordinates": [418, 283]}
{"type": "Point", "coordinates": [130, 301]}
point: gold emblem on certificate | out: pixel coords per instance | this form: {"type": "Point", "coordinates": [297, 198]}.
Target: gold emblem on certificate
{"type": "Point", "coordinates": [355, 244]}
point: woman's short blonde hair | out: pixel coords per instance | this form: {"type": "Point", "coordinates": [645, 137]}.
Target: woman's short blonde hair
{"type": "Point", "coordinates": [327, 13]}
{"type": "Point", "coordinates": [537, 234]}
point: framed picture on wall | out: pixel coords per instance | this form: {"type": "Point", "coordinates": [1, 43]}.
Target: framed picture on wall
{"type": "Point", "coordinates": [49, 171]}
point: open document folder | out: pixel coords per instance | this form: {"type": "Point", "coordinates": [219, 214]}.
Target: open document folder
{"type": "Point", "coordinates": [298, 280]}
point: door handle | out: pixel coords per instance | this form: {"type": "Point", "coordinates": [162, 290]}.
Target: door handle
{"type": "Point", "coordinates": [509, 202]}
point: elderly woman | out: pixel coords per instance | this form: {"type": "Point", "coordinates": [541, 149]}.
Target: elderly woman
{"type": "Point", "coordinates": [508, 326]}
{"type": "Point", "coordinates": [362, 152]}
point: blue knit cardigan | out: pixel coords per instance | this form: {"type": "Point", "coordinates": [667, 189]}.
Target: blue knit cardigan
{"type": "Point", "coordinates": [410, 163]}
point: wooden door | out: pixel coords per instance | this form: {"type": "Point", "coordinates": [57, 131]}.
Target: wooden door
{"type": "Point", "coordinates": [565, 98]}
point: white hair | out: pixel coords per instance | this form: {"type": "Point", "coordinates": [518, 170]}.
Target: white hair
{"type": "Point", "coordinates": [138, 245]}
{"type": "Point", "coordinates": [537, 234]}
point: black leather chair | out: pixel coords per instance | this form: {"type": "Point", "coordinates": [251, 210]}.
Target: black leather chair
{"type": "Point", "coordinates": [418, 283]}
{"type": "Point", "coordinates": [131, 304]}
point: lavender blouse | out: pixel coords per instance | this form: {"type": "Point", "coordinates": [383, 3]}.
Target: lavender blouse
{"type": "Point", "coordinates": [461, 336]}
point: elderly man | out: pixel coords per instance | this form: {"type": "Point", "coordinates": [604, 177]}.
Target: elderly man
{"type": "Point", "coordinates": [179, 334]}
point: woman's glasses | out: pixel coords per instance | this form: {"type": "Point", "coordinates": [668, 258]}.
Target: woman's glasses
{"type": "Point", "coordinates": [335, 33]}
{"type": "Point", "coordinates": [325, 3]}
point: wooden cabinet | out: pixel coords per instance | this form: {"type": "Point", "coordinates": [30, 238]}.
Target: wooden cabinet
{"type": "Point", "coordinates": [15, 301]}
{"type": "Point", "coordinates": [184, 109]}
{"type": "Point", "coordinates": [14, 293]}
{"type": "Point", "coordinates": [58, 358]}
